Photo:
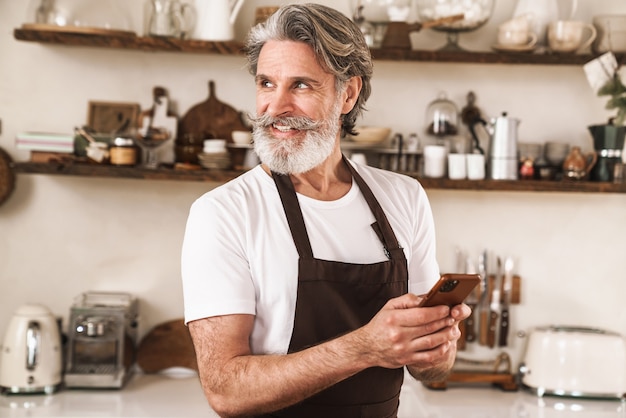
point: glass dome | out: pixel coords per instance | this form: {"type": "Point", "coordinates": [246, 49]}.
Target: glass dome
{"type": "Point", "coordinates": [442, 117]}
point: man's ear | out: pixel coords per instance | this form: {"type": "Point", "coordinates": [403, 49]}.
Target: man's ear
{"type": "Point", "coordinates": [351, 94]}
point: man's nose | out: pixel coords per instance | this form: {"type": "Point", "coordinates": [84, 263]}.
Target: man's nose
{"type": "Point", "coordinates": [280, 102]}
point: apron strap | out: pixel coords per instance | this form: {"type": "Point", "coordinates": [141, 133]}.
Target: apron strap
{"type": "Point", "coordinates": [382, 226]}
{"type": "Point", "coordinates": [294, 214]}
{"type": "Point", "coordinates": [296, 222]}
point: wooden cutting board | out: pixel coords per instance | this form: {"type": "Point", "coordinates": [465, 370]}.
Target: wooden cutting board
{"type": "Point", "coordinates": [211, 119]}
{"type": "Point", "coordinates": [166, 345]}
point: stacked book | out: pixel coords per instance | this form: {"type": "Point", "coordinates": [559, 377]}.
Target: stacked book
{"type": "Point", "coordinates": [44, 146]}
{"type": "Point", "coordinates": [43, 141]}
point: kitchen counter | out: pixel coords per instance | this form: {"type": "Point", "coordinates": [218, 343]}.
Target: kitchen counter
{"type": "Point", "coordinates": [181, 396]}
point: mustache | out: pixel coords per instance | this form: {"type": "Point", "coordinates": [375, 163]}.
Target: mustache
{"type": "Point", "coordinates": [301, 123]}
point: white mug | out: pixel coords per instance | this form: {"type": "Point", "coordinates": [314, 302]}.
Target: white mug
{"type": "Point", "coordinates": [517, 32]}
{"type": "Point", "coordinates": [434, 161]}
{"type": "Point", "coordinates": [569, 35]}
{"type": "Point", "coordinates": [516, 38]}
{"type": "Point", "coordinates": [475, 166]}
{"type": "Point", "coordinates": [457, 166]}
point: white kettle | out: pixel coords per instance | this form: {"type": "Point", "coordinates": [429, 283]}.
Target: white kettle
{"type": "Point", "coordinates": [216, 19]}
{"type": "Point", "coordinates": [30, 355]}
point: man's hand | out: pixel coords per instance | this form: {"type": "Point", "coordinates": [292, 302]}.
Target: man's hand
{"type": "Point", "coordinates": [422, 338]}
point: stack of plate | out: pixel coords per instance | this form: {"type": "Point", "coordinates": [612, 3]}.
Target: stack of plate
{"type": "Point", "coordinates": [216, 160]}
{"type": "Point", "coordinates": [215, 155]}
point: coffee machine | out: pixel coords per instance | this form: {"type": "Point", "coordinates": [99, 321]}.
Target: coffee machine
{"type": "Point", "coordinates": [102, 337]}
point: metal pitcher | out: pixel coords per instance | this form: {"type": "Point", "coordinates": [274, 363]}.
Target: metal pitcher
{"type": "Point", "coordinates": [216, 19]}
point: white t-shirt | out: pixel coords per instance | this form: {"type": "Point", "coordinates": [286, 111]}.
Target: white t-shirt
{"type": "Point", "coordinates": [238, 255]}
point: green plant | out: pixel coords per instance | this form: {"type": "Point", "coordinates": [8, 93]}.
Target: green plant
{"type": "Point", "coordinates": [617, 90]}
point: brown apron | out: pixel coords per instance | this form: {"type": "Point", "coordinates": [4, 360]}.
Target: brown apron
{"type": "Point", "coordinates": [335, 298]}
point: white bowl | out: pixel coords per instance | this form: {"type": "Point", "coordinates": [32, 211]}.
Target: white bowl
{"type": "Point", "coordinates": [214, 145]}
{"type": "Point", "coordinates": [242, 137]}
{"type": "Point", "coordinates": [371, 134]}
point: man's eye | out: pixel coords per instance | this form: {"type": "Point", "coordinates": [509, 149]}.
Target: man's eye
{"type": "Point", "coordinates": [302, 85]}
{"type": "Point", "coordinates": [265, 84]}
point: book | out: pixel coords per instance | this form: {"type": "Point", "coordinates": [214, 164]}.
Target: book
{"type": "Point", "coordinates": [44, 141]}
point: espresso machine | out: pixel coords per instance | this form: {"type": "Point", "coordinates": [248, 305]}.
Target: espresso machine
{"type": "Point", "coordinates": [102, 337]}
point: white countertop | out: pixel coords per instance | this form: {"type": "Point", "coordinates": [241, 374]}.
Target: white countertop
{"type": "Point", "coordinates": [181, 396]}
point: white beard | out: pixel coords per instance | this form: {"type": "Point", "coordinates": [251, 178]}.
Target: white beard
{"type": "Point", "coordinates": [299, 155]}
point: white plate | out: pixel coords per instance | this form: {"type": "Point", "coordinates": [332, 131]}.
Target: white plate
{"type": "Point", "coordinates": [511, 48]}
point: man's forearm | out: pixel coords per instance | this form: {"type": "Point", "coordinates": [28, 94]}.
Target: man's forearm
{"type": "Point", "coordinates": [262, 383]}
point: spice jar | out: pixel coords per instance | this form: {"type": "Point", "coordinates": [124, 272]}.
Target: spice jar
{"type": "Point", "coordinates": [123, 151]}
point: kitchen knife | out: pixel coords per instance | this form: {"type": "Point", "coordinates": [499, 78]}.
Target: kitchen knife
{"type": "Point", "coordinates": [483, 303]}
{"type": "Point", "coordinates": [507, 287]}
{"type": "Point", "coordinates": [472, 302]}
{"type": "Point", "coordinates": [495, 307]}
{"type": "Point", "coordinates": [460, 268]}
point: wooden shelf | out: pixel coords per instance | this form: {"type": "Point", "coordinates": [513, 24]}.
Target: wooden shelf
{"type": "Point", "coordinates": [96, 170]}
{"type": "Point", "coordinates": [235, 48]}
{"type": "Point", "coordinates": [153, 44]}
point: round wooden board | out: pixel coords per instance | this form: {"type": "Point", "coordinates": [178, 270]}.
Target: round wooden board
{"type": "Point", "coordinates": [7, 177]}
{"type": "Point", "coordinates": [167, 345]}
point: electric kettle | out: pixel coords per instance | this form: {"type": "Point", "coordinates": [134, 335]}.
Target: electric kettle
{"type": "Point", "coordinates": [30, 355]}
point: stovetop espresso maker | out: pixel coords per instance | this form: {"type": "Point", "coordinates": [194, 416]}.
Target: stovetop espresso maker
{"type": "Point", "coordinates": [503, 159]}
{"type": "Point", "coordinates": [608, 142]}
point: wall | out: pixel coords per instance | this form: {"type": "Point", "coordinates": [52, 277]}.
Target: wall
{"type": "Point", "coordinates": [60, 236]}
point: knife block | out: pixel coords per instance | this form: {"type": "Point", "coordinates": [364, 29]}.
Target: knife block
{"type": "Point", "coordinates": [515, 289]}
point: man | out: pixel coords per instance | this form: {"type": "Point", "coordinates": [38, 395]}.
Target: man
{"type": "Point", "coordinates": [296, 274]}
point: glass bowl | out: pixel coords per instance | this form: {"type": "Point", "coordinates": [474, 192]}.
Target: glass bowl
{"type": "Point", "coordinates": [477, 13]}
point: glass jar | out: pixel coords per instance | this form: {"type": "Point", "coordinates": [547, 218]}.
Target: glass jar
{"type": "Point", "coordinates": [108, 14]}
{"type": "Point", "coordinates": [123, 151]}
{"type": "Point", "coordinates": [373, 17]}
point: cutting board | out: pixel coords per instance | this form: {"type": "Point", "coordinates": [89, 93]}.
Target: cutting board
{"type": "Point", "coordinates": [166, 345]}
{"type": "Point", "coordinates": [211, 119]}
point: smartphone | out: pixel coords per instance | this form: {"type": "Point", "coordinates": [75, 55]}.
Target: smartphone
{"type": "Point", "coordinates": [451, 289]}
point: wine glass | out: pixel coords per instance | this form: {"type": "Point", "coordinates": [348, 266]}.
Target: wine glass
{"type": "Point", "coordinates": [149, 142]}
{"type": "Point", "coordinates": [476, 13]}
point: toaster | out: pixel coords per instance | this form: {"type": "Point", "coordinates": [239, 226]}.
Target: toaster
{"type": "Point", "coordinates": [575, 362]}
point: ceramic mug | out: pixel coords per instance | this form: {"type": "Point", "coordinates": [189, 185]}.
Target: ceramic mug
{"type": "Point", "coordinates": [517, 33]}
{"type": "Point", "coordinates": [570, 36]}
{"type": "Point", "coordinates": [516, 38]}
{"type": "Point", "coordinates": [435, 161]}
{"type": "Point", "coordinates": [457, 166]}
{"type": "Point", "coordinates": [475, 166]}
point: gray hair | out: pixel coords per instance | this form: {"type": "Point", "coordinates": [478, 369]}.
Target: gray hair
{"type": "Point", "coordinates": [337, 42]}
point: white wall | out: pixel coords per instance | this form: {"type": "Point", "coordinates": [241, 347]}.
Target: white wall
{"type": "Point", "coordinates": [60, 236]}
